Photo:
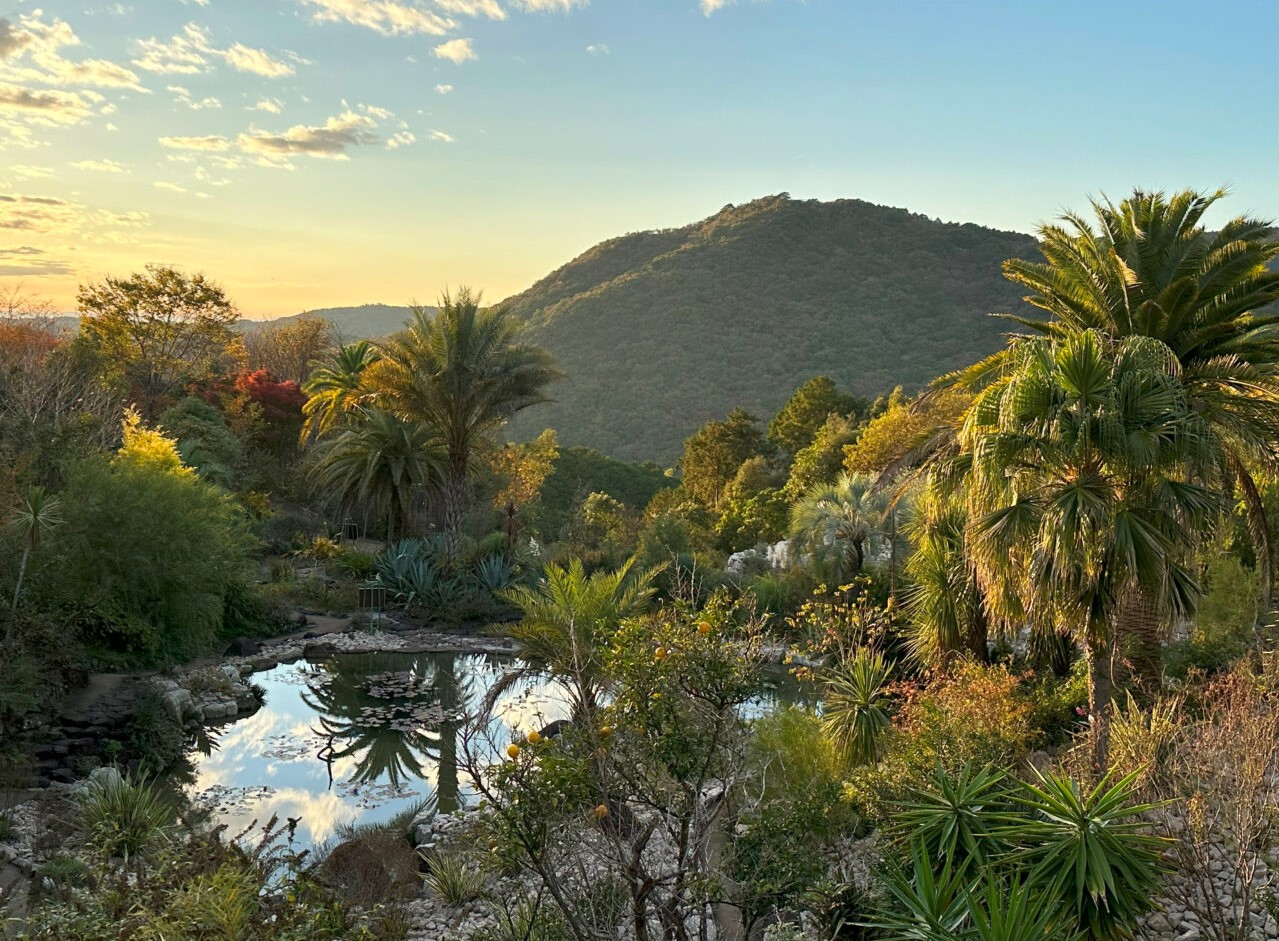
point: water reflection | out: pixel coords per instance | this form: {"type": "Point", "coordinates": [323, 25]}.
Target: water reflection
{"type": "Point", "coordinates": [360, 737]}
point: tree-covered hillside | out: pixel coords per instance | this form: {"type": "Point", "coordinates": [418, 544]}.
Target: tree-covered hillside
{"type": "Point", "coordinates": [657, 332]}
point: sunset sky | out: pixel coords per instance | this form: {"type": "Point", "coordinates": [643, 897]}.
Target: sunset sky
{"type": "Point", "coordinates": [311, 153]}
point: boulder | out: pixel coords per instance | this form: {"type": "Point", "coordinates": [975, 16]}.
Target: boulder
{"type": "Point", "coordinates": [372, 869]}
{"type": "Point", "coordinates": [319, 651]}
{"type": "Point", "coordinates": [244, 647]}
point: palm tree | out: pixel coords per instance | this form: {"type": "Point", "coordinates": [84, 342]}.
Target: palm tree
{"type": "Point", "coordinates": [1150, 268]}
{"type": "Point", "coordinates": [570, 618]}
{"type": "Point", "coordinates": [379, 462]}
{"type": "Point", "coordinates": [37, 514]}
{"type": "Point", "coordinates": [835, 523]}
{"type": "Point", "coordinates": [1080, 496]}
{"type": "Point", "coordinates": [334, 389]}
{"type": "Point", "coordinates": [944, 600]}
{"type": "Point", "coordinates": [462, 371]}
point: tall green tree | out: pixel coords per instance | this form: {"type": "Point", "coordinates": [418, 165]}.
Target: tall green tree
{"type": "Point", "coordinates": [835, 523]}
{"type": "Point", "coordinates": [156, 330]}
{"type": "Point", "coordinates": [1082, 497]}
{"type": "Point", "coordinates": [796, 425]}
{"type": "Point", "coordinates": [713, 454]}
{"type": "Point", "coordinates": [463, 372]}
{"type": "Point", "coordinates": [379, 462]}
{"type": "Point", "coordinates": [335, 387]}
{"type": "Point", "coordinates": [1149, 267]}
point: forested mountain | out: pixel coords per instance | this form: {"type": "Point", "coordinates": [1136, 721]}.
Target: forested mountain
{"type": "Point", "coordinates": [658, 332]}
{"type": "Point", "coordinates": [350, 323]}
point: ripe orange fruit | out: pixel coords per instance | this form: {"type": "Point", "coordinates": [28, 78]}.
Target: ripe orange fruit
{"type": "Point", "coordinates": [704, 627]}
{"type": "Point", "coordinates": [601, 811]}
{"type": "Point", "coordinates": [513, 750]}
{"type": "Point", "coordinates": [534, 737]}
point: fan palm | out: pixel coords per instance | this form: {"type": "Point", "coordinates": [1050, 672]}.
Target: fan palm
{"type": "Point", "coordinates": [1080, 494]}
{"type": "Point", "coordinates": [378, 462]}
{"type": "Point", "coordinates": [462, 371]}
{"type": "Point", "coordinates": [568, 620]}
{"type": "Point", "coordinates": [944, 601]}
{"type": "Point", "coordinates": [1150, 268]}
{"type": "Point", "coordinates": [334, 389]}
{"type": "Point", "coordinates": [38, 513]}
{"type": "Point", "coordinates": [835, 523]}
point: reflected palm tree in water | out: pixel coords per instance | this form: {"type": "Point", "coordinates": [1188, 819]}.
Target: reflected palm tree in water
{"type": "Point", "coordinates": [387, 735]}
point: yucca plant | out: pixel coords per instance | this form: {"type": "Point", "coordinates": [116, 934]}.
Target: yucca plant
{"type": "Point", "coordinates": [955, 819]}
{"type": "Point", "coordinates": [1090, 850]}
{"type": "Point", "coordinates": [921, 903]}
{"type": "Point", "coordinates": [454, 880]}
{"type": "Point", "coordinates": [126, 818]}
{"type": "Point", "coordinates": [856, 714]}
{"type": "Point", "coordinates": [1014, 910]}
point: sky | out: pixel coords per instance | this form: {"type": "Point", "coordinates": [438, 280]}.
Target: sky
{"type": "Point", "coordinates": [316, 153]}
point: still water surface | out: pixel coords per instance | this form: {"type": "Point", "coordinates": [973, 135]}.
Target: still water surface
{"type": "Point", "coordinates": [358, 738]}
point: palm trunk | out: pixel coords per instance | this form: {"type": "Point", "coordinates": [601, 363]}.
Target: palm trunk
{"type": "Point", "coordinates": [17, 592]}
{"type": "Point", "coordinates": [1139, 635]}
{"type": "Point", "coordinates": [1259, 526]}
{"type": "Point", "coordinates": [454, 495]}
{"type": "Point", "coordinates": [978, 633]}
{"type": "Point", "coordinates": [1100, 694]}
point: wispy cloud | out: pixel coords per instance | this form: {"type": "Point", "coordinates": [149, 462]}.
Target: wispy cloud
{"type": "Point", "coordinates": [195, 104]}
{"type": "Point", "coordinates": [598, 49]}
{"type": "Point", "coordinates": [443, 89]}
{"type": "Point", "coordinates": [45, 105]}
{"type": "Point", "coordinates": [269, 105]}
{"type": "Point", "coordinates": [710, 6]}
{"type": "Point", "coordinates": [456, 51]}
{"type": "Point", "coordinates": [330, 139]}
{"type": "Point", "coordinates": [550, 6]}
{"type": "Point", "coordinates": [31, 53]}
{"type": "Point", "coordinates": [192, 52]}
{"type": "Point", "coordinates": [100, 166]}
{"type": "Point", "coordinates": [213, 142]}
{"type": "Point", "coordinates": [29, 261]}
{"type": "Point", "coordinates": [400, 139]}
{"type": "Point", "coordinates": [389, 17]}
{"type": "Point", "coordinates": [442, 137]}
{"type": "Point", "coordinates": [171, 187]}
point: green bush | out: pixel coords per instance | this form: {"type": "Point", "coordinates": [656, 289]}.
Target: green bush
{"type": "Point", "coordinates": [1223, 623]}
{"type": "Point", "coordinates": [149, 551]}
{"type": "Point", "coordinates": [127, 818]}
{"type": "Point", "coordinates": [454, 879]}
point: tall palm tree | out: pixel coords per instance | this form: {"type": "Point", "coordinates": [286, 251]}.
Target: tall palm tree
{"type": "Point", "coordinates": [835, 523]}
{"type": "Point", "coordinates": [1081, 494]}
{"type": "Point", "coordinates": [1150, 268]}
{"type": "Point", "coordinates": [944, 601]}
{"type": "Point", "coordinates": [38, 513]}
{"type": "Point", "coordinates": [462, 371]}
{"type": "Point", "coordinates": [379, 462]}
{"type": "Point", "coordinates": [334, 388]}
{"type": "Point", "coordinates": [570, 618]}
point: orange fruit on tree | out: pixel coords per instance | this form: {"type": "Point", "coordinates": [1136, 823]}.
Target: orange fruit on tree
{"type": "Point", "coordinates": [704, 628]}
{"type": "Point", "coordinates": [534, 737]}
{"type": "Point", "coordinates": [513, 750]}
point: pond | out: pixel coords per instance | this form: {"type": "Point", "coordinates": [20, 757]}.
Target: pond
{"type": "Point", "coordinates": [360, 737]}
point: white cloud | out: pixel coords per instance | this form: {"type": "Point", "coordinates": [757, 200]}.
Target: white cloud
{"type": "Point", "coordinates": [100, 166]}
{"type": "Point", "coordinates": [31, 52]}
{"type": "Point", "coordinates": [242, 58]}
{"type": "Point", "coordinates": [598, 49]}
{"type": "Point", "coordinates": [710, 6]}
{"type": "Point", "coordinates": [269, 105]}
{"type": "Point", "coordinates": [44, 106]}
{"type": "Point", "coordinates": [389, 17]}
{"type": "Point", "coordinates": [209, 142]}
{"type": "Point", "coordinates": [442, 136]}
{"type": "Point", "coordinates": [190, 53]}
{"type": "Point", "coordinates": [456, 51]}
{"type": "Point", "coordinates": [443, 89]}
{"type": "Point", "coordinates": [400, 139]}
{"type": "Point", "coordinates": [26, 171]}
{"type": "Point", "coordinates": [374, 111]}
{"type": "Point", "coordinates": [171, 187]}
{"type": "Point", "coordinates": [47, 214]}
{"type": "Point", "coordinates": [550, 6]}
{"type": "Point", "coordinates": [330, 140]}
{"type": "Point", "coordinates": [195, 104]}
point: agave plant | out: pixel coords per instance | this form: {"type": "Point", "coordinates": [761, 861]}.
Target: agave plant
{"type": "Point", "coordinates": [409, 572]}
{"type": "Point", "coordinates": [496, 573]}
{"type": "Point", "coordinates": [856, 715]}
{"type": "Point", "coordinates": [956, 818]}
{"type": "Point", "coordinates": [1090, 850]}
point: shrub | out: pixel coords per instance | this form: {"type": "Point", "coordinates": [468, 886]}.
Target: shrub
{"type": "Point", "coordinates": [454, 880]}
{"type": "Point", "coordinates": [856, 713]}
{"type": "Point", "coordinates": [125, 817]}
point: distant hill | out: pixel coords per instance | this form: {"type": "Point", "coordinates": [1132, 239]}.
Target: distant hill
{"type": "Point", "coordinates": [657, 332]}
{"type": "Point", "coordinates": [351, 323]}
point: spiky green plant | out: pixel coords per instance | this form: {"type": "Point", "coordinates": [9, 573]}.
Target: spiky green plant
{"type": "Point", "coordinates": [454, 880]}
{"type": "Point", "coordinates": [856, 705]}
{"type": "Point", "coordinates": [956, 817]}
{"type": "Point", "coordinates": [335, 387]}
{"type": "Point", "coordinates": [836, 523]}
{"type": "Point", "coordinates": [126, 817]}
{"type": "Point", "coordinates": [38, 514]}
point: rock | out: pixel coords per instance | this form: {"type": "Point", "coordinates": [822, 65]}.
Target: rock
{"type": "Point", "coordinates": [318, 651]}
{"type": "Point", "coordinates": [105, 777]}
{"type": "Point", "coordinates": [299, 618]}
{"type": "Point", "coordinates": [372, 869]}
{"type": "Point", "coordinates": [311, 635]}
{"type": "Point", "coordinates": [244, 647]}
{"type": "Point", "coordinates": [180, 701]}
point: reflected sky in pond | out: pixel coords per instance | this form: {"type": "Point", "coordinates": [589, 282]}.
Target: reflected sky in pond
{"type": "Point", "coordinates": [358, 738]}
